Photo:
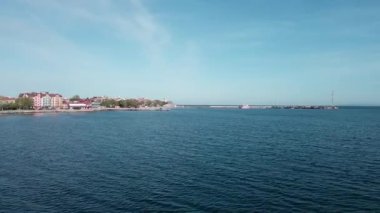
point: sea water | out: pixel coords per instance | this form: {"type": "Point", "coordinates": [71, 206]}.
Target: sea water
{"type": "Point", "coordinates": [191, 160]}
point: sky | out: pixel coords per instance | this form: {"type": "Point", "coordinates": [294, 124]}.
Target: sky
{"type": "Point", "coordinates": [194, 51]}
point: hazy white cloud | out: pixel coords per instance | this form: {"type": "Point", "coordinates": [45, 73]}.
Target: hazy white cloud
{"type": "Point", "coordinates": [130, 21]}
{"type": "Point", "coordinates": [40, 41]}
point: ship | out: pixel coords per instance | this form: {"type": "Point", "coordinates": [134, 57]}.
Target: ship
{"type": "Point", "coordinates": [244, 106]}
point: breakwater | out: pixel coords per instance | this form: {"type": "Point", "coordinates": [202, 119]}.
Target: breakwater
{"type": "Point", "coordinates": [319, 107]}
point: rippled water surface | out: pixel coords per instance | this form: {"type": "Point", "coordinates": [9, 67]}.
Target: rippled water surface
{"type": "Point", "coordinates": [191, 159]}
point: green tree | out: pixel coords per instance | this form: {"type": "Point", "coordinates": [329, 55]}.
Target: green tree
{"type": "Point", "coordinates": [159, 103]}
{"type": "Point", "coordinates": [148, 103]}
{"type": "Point", "coordinates": [75, 98]}
{"type": "Point", "coordinates": [122, 103]}
{"type": "Point", "coordinates": [132, 103]}
{"type": "Point", "coordinates": [109, 103]}
{"type": "Point", "coordinates": [8, 106]}
{"type": "Point", "coordinates": [24, 103]}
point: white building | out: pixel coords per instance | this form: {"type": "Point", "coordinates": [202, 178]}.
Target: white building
{"type": "Point", "coordinates": [77, 106]}
{"type": "Point", "coordinates": [44, 100]}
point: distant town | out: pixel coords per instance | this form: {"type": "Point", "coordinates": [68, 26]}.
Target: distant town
{"type": "Point", "coordinates": [45, 101]}
{"type": "Point", "coordinates": [30, 102]}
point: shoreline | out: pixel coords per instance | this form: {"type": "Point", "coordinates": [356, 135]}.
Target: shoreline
{"type": "Point", "coordinates": [7, 112]}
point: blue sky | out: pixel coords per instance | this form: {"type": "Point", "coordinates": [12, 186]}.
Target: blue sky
{"type": "Point", "coordinates": [194, 51]}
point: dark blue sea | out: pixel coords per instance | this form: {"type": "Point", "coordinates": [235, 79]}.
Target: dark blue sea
{"type": "Point", "coordinates": [192, 160]}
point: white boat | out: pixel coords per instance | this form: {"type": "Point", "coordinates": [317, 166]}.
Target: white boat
{"type": "Point", "coordinates": [244, 107]}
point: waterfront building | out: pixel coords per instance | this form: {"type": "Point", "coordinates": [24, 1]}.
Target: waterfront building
{"type": "Point", "coordinates": [7, 100]}
{"type": "Point", "coordinates": [44, 100]}
{"type": "Point", "coordinates": [77, 106]}
{"type": "Point", "coordinates": [98, 99]}
{"type": "Point", "coordinates": [37, 101]}
{"type": "Point", "coordinates": [56, 101]}
{"type": "Point", "coordinates": [96, 105]}
{"type": "Point", "coordinates": [35, 96]}
{"type": "Point", "coordinates": [65, 104]}
{"type": "Point", "coordinates": [80, 104]}
{"type": "Point", "coordinates": [88, 103]}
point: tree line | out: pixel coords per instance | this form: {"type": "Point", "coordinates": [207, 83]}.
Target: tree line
{"type": "Point", "coordinates": [132, 103]}
{"type": "Point", "coordinates": [20, 103]}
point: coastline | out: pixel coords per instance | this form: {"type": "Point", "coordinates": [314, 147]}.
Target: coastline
{"type": "Point", "coordinates": [7, 112]}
